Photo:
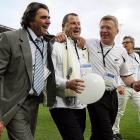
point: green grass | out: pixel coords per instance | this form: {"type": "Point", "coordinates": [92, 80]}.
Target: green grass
{"type": "Point", "coordinates": [130, 126]}
{"type": "Point", "coordinates": [46, 129]}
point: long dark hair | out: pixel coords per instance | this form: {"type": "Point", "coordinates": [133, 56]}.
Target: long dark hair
{"type": "Point", "coordinates": [30, 13]}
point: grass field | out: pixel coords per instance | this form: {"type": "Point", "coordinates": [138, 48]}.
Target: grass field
{"type": "Point", "coordinates": [46, 130]}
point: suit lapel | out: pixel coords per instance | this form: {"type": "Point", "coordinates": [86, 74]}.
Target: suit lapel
{"type": "Point", "coordinates": [25, 46]}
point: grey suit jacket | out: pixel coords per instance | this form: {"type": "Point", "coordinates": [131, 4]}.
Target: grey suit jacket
{"type": "Point", "coordinates": [15, 72]}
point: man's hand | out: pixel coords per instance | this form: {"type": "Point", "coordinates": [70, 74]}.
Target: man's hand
{"type": "Point", "coordinates": [81, 42]}
{"type": "Point", "coordinates": [77, 85]}
{"type": "Point", "coordinates": [136, 85]}
{"type": "Point", "coordinates": [121, 90]}
{"type": "Point", "coordinates": [60, 37]}
{"type": "Point", "coordinates": [1, 127]}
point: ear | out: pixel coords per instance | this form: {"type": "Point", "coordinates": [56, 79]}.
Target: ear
{"type": "Point", "coordinates": [63, 27]}
{"type": "Point", "coordinates": [31, 24]}
{"type": "Point", "coordinates": [117, 31]}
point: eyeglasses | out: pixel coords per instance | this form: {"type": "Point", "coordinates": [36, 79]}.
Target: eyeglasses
{"type": "Point", "coordinates": [126, 42]}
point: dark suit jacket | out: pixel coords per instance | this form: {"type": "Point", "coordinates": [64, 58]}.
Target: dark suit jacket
{"type": "Point", "coordinates": [15, 72]}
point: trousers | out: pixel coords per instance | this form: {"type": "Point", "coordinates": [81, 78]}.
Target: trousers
{"type": "Point", "coordinates": [23, 124]}
{"type": "Point", "coordinates": [102, 116]}
{"type": "Point", "coordinates": [70, 122]}
{"type": "Point", "coordinates": [122, 102]}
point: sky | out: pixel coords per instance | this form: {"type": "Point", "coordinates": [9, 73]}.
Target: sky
{"type": "Point", "coordinates": [89, 11]}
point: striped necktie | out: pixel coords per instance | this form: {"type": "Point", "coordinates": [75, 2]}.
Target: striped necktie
{"type": "Point", "coordinates": [38, 73]}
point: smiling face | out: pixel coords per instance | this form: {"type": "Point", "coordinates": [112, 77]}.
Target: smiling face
{"type": "Point", "coordinates": [108, 31]}
{"type": "Point", "coordinates": [72, 27]}
{"type": "Point", "coordinates": [41, 22]}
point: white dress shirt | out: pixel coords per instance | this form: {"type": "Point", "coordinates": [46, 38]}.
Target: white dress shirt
{"type": "Point", "coordinates": [57, 57]}
{"type": "Point", "coordinates": [33, 50]}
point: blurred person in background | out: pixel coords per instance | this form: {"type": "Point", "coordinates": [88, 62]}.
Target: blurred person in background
{"type": "Point", "coordinates": [126, 92]}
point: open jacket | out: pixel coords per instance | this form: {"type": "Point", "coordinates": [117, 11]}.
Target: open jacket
{"type": "Point", "coordinates": [15, 73]}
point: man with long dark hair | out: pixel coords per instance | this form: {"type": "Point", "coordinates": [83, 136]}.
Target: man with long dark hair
{"type": "Point", "coordinates": [25, 66]}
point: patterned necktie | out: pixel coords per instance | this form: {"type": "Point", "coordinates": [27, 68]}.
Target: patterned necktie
{"type": "Point", "coordinates": [38, 75]}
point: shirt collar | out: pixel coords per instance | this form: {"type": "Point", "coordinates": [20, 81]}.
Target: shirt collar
{"type": "Point", "coordinates": [132, 54]}
{"type": "Point", "coordinates": [71, 40]}
{"type": "Point", "coordinates": [33, 35]}
{"type": "Point", "coordinates": [107, 46]}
